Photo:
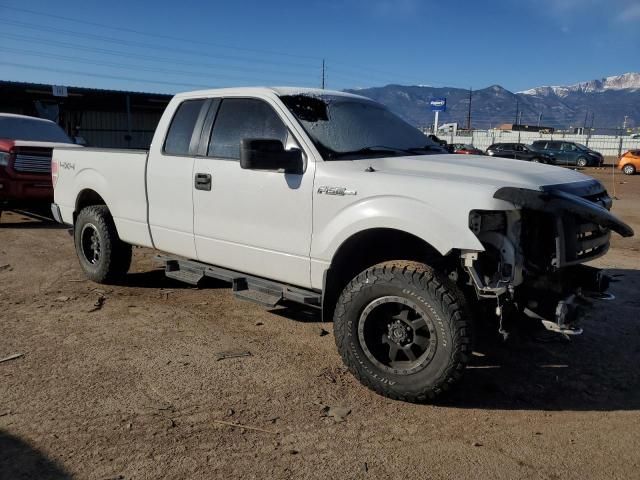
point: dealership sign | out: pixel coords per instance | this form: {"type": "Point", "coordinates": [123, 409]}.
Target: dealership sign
{"type": "Point", "coordinates": [438, 104]}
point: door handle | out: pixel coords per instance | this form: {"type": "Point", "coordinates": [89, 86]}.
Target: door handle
{"type": "Point", "coordinates": [203, 181]}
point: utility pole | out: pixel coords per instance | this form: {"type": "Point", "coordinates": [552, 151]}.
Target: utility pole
{"type": "Point", "coordinates": [323, 74]}
{"type": "Point", "coordinates": [469, 112]}
{"type": "Point", "coordinates": [624, 124]}
{"type": "Point", "coordinates": [517, 111]}
{"type": "Point", "coordinates": [539, 118]}
{"type": "Point", "coordinates": [584, 126]}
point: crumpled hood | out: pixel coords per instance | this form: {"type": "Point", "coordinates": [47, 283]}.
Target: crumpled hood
{"type": "Point", "coordinates": [474, 169]}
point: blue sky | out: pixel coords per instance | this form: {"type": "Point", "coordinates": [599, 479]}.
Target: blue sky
{"type": "Point", "coordinates": [173, 46]}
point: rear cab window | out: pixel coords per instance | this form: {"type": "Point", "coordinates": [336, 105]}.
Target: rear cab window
{"type": "Point", "coordinates": [181, 137]}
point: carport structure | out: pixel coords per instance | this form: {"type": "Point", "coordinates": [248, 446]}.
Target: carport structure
{"type": "Point", "coordinates": [101, 118]}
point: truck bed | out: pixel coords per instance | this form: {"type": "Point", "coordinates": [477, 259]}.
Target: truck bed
{"type": "Point", "coordinates": [118, 176]}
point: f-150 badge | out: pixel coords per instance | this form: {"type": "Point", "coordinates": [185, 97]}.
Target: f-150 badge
{"type": "Point", "coordinates": [336, 191]}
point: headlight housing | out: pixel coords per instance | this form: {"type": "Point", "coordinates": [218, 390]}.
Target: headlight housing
{"type": "Point", "coordinates": [4, 159]}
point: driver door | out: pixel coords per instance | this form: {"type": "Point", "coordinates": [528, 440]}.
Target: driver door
{"type": "Point", "coordinates": [253, 221]}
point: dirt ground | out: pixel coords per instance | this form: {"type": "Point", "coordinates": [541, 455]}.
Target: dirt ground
{"type": "Point", "coordinates": [133, 389]}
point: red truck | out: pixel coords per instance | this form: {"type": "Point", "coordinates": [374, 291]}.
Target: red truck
{"type": "Point", "coordinates": [26, 144]}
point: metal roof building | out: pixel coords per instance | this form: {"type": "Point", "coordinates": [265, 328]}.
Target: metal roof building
{"type": "Point", "coordinates": [103, 118]}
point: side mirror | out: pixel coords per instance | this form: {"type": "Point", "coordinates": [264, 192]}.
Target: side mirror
{"type": "Point", "coordinates": [269, 154]}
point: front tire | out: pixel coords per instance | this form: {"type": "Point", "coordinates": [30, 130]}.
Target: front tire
{"type": "Point", "coordinates": [629, 169]}
{"type": "Point", "coordinates": [403, 331]}
{"type": "Point", "coordinates": [102, 255]}
{"type": "Point", "coordinates": [582, 162]}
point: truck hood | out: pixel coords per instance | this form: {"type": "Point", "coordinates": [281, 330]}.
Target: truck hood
{"type": "Point", "coordinates": [474, 169]}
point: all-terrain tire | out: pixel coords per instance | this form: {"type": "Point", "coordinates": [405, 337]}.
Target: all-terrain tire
{"type": "Point", "coordinates": [431, 293]}
{"type": "Point", "coordinates": [94, 227]}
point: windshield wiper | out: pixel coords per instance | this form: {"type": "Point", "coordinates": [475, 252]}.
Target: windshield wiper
{"type": "Point", "coordinates": [377, 149]}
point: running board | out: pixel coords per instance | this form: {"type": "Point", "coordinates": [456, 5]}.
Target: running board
{"type": "Point", "coordinates": [247, 287]}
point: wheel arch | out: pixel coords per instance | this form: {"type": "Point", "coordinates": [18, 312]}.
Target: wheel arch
{"type": "Point", "coordinates": [87, 197]}
{"type": "Point", "coordinates": [369, 247]}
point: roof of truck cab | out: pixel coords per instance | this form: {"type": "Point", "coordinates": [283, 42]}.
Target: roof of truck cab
{"type": "Point", "coordinates": [265, 90]}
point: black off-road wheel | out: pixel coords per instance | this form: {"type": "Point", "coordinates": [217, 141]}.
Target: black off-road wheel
{"type": "Point", "coordinates": [403, 330]}
{"type": "Point", "coordinates": [102, 255]}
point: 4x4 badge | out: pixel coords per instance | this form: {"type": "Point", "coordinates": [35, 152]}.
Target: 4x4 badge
{"type": "Point", "coordinates": [336, 191]}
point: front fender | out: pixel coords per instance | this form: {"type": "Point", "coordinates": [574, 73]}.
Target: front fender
{"type": "Point", "coordinates": [444, 231]}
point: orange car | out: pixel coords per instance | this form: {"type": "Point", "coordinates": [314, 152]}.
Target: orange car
{"type": "Point", "coordinates": [629, 163]}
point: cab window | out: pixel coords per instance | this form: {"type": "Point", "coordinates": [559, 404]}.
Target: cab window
{"type": "Point", "coordinates": [240, 118]}
{"type": "Point", "coordinates": [181, 130]}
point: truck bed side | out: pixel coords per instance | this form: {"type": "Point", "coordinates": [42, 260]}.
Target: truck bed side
{"type": "Point", "coordinates": [117, 176]}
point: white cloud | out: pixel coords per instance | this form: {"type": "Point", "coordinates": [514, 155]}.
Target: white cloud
{"type": "Point", "coordinates": [629, 14]}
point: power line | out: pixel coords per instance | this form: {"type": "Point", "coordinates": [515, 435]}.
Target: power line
{"type": "Point", "coordinates": [124, 65]}
{"type": "Point", "coordinates": [151, 58]}
{"type": "Point", "coordinates": [129, 43]}
{"type": "Point", "coordinates": [101, 75]}
{"type": "Point", "coordinates": [156, 35]}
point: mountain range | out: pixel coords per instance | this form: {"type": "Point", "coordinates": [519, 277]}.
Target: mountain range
{"type": "Point", "coordinates": [602, 104]}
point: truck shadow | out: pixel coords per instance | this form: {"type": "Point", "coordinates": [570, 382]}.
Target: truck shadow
{"type": "Point", "coordinates": [36, 218]}
{"type": "Point", "coordinates": [18, 459]}
{"type": "Point", "coordinates": [596, 371]}
{"type": "Point", "coordinates": [157, 279]}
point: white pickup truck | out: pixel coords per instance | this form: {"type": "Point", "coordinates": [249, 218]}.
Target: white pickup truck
{"type": "Point", "coordinates": [330, 200]}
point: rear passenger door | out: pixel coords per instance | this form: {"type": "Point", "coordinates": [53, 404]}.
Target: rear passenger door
{"type": "Point", "coordinates": [170, 180]}
{"type": "Point", "coordinates": [253, 221]}
{"type": "Point", "coordinates": [569, 153]}
{"type": "Point", "coordinates": [553, 148]}
{"type": "Point", "coordinates": [519, 152]}
{"type": "Point", "coordinates": [507, 151]}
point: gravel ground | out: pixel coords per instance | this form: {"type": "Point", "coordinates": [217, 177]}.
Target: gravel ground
{"type": "Point", "coordinates": [130, 386]}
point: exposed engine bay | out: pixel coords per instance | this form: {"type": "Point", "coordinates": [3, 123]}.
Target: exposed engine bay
{"type": "Point", "coordinates": [533, 259]}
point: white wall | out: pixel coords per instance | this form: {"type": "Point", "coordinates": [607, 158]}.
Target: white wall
{"type": "Point", "coordinates": [608, 145]}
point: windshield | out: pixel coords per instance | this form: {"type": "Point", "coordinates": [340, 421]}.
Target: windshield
{"type": "Point", "coordinates": [17, 128]}
{"type": "Point", "coordinates": [583, 147]}
{"type": "Point", "coordinates": [351, 128]}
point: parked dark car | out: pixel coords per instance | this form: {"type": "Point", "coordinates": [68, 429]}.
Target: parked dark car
{"type": "Point", "coordinates": [519, 151]}
{"type": "Point", "coordinates": [569, 153]}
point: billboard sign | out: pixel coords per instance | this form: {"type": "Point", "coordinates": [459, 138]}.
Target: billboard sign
{"type": "Point", "coordinates": [438, 104]}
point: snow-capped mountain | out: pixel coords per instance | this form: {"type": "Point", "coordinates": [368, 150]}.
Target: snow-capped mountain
{"type": "Point", "coordinates": [626, 81]}
{"type": "Point", "coordinates": [602, 103]}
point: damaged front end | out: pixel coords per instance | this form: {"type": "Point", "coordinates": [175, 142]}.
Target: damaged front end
{"type": "Point", "coordinates": [533, 259]}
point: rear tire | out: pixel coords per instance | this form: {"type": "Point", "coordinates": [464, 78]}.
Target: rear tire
{"type": "Point", "coordinates": [403, 330]}
{"type": "Point", "coordinates": [102, 255]}
{"type": "Point", "coordinates": [628, 169]}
